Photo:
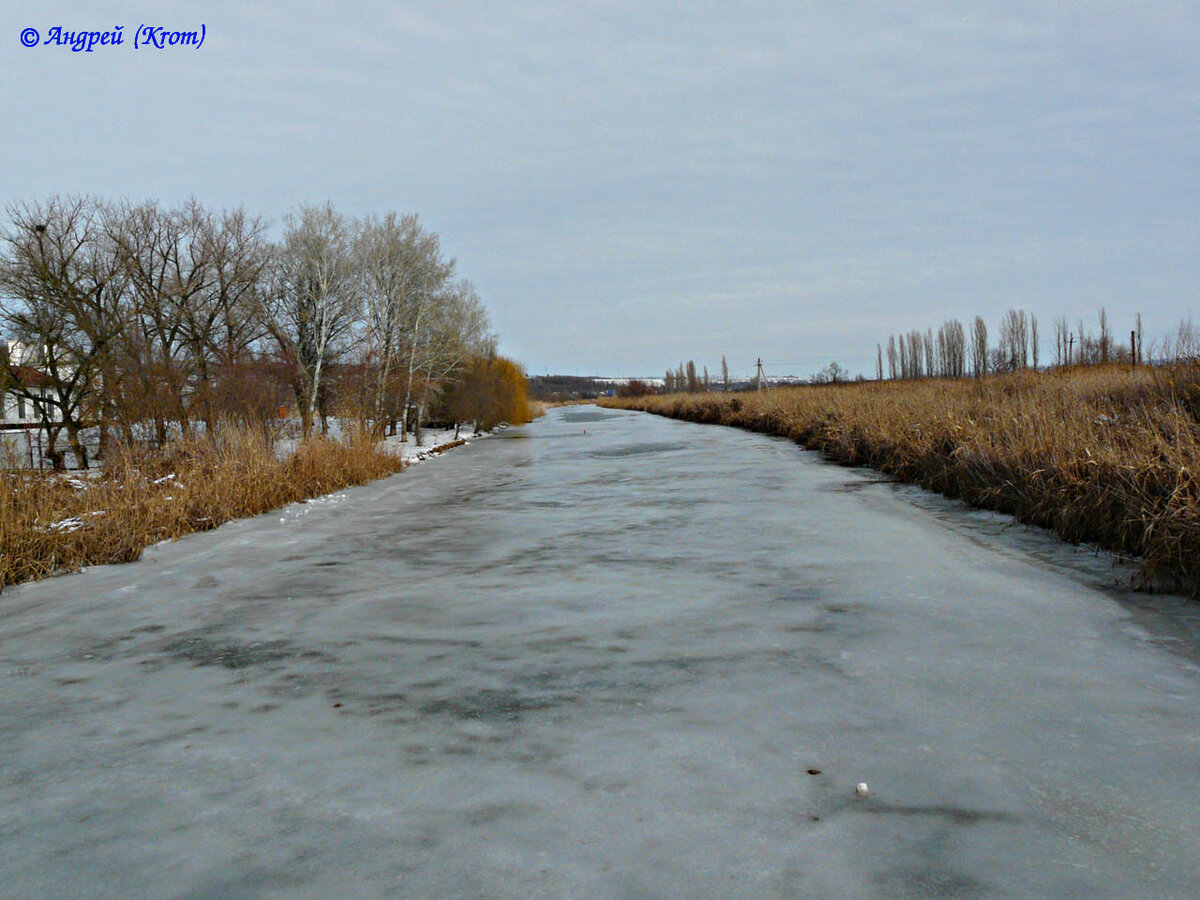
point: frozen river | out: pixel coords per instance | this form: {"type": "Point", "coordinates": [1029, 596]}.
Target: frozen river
{"type": "Point", "coordinates": [604, 656]}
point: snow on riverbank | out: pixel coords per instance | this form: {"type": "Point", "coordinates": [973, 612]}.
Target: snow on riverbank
{"type": "Point", "coordinates": [434, 441]}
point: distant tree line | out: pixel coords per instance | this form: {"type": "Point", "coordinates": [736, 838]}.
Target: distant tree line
{"type": "Point", "coordinates": [958, 351]}
{"type": "Point", "coordinates": [558, 388]}
{"type": "Point", "coordinates": [147, 319]}
{"type": "Point", "coordinates": [951, 352]}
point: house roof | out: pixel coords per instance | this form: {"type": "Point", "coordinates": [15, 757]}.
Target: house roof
{"type": "Point", "coordinates": [29, 377]}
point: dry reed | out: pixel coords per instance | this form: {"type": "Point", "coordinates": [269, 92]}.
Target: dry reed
{"type": "Point", "coordinates": [1102, 455]}
{"type": "Point", "coordinates": [55, 523]}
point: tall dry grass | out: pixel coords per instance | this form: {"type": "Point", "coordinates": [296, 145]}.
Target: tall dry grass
{"type": "Point", "coordinates": [1103, 455]}
{"type": "Point", "coordinates": [53, 523]}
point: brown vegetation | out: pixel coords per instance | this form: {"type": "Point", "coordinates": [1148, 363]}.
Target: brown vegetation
{"type": "Point", "coordinates": [50, 523]}
{"type": "Point", "coordinates": [635, 388]}
{"type": "Point", "coordinates": [1098, 453]}
{"type": "Point", "coordinates": [491, 390]}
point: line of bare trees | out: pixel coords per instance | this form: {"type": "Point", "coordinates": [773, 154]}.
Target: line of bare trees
{"type": "Point", "coordinates": [686, 378]}
{"type": "Point", "coordinates": [950, 353]}
{"type": "Point", "coordinates": [147, 319]}
{"type": "Point", "coordinates": [920, 354]}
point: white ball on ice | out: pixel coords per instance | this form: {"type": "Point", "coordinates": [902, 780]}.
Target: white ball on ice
{"type": "Point", "coordinates": [861, 789]}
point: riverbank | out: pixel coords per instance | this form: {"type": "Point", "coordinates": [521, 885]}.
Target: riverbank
{"type": "Point", "coordinates": [52, 523]}
{"type": "Point", "coordinates": [1100, 455]}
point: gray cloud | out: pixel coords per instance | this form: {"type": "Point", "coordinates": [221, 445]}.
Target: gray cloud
{"type": "Point", "coordinates": [634, 184]}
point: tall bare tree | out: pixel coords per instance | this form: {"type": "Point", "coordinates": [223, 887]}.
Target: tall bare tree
{"type": "Point", "coordinates": [226, 319]}
{"type": "Point", "coordinates": [1014, 340]}
{"type": "Point", "coordinates": [164, 253]}
{"type": "Point", "coordinates": [1104, 345]}
{"type": "Point", "coordinates": [397, 262]}
{"type": "Point", "coordinates": [979, 347]}
{"type": "Point", "coordinates": [1061, 341]}
{"type": "Point", "coordinates": [61, 292]}
{"type": "Point", "coordinates": [312, 299]}
{"type": "Point", "coordinates": [457, 331]}
{"type": "Point", "coordinates": [418, 307]}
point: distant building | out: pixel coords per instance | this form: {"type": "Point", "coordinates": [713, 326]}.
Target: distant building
{"type": "Point", "coordinates": [22, 413]}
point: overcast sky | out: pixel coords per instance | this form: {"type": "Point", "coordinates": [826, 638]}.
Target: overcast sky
{"type": "Point", "coordinates": [631, 184]}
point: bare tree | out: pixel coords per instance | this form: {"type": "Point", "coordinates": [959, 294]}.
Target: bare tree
{"type": "Point", "coordinates": [400, 270]}
{"type": "Point", "coordinates": [1187, 342]}
{"type": "Point", "coordinates": [1033, 339]}
{"type": "Point", "coordinates": [831, 374]}
{"type": "Point", "coordinates": [979, 347]}
{"type": "Point", "coordinates": [915, 354]}
{"type": "Point", "coordinates": [228, 318]}
{"type": "Point", "coordinates": [456, 332]}
{"type": "Point", "coordinates": [1061, 342]}
{"type": "Point", "coordinates": [312, 298]}
{"type": "Point", "coordinates": [164, 255]}
{"type": "Point", "coordinates": [1014, 340]}
{"type": "Point", "coordinates": [725, 374]}
{"type": "Point", "coordinates": [61, 292]}
{"type": "Point", "coordinates": [417, 309]}
{"type": "Point", "coordinates": [957, 343]}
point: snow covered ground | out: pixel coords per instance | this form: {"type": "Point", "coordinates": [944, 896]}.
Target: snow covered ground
{"type": "Point", "coordinates": [434, 441]}
{"type": "Point", "coordinates": [431, 441]}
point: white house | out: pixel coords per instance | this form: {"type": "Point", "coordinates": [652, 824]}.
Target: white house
{"type": "Point", "coordinates": [21, 413]}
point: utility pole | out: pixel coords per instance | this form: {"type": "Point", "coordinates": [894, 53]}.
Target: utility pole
{"type": "Point", "coordinates": [759, 377]}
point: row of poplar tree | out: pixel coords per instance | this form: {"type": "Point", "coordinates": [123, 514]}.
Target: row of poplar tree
{"type": "Point", "coordinates": [950, 352]}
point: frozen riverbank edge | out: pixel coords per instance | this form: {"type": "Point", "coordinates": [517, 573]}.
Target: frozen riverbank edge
{"type": "Point", "coordinates": [1096, 457]}
{"type": "Point", "coordinates": [55, 524]}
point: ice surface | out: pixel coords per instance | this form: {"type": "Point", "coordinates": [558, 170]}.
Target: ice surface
{"type": "Point", "coordinates": [599, 657]}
